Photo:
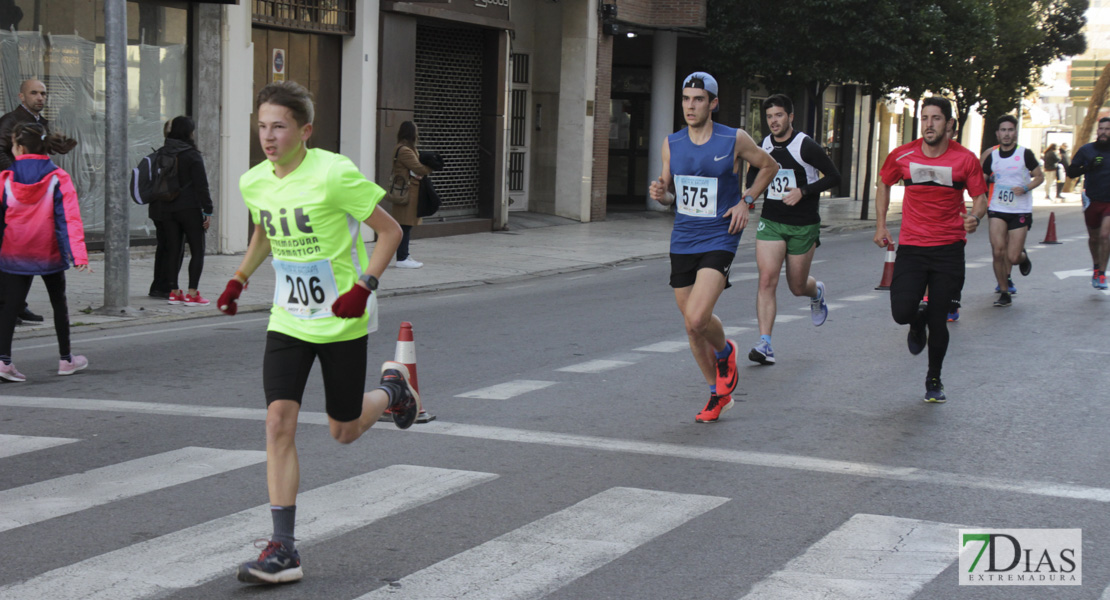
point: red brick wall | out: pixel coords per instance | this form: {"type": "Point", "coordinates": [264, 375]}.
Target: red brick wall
{"type": "Point", "coordinates": [661, 13]}
{"type": "Point", "coordinates": [600, 189]}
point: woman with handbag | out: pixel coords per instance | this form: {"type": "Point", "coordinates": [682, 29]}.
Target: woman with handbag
{"type": "Point", "coordinates": [405, 201]}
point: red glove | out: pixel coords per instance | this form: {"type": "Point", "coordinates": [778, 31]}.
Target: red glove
{"type": "Point", "coordinates": [229, 300]}
{"type": "Point", "coordinates": [352, 304]}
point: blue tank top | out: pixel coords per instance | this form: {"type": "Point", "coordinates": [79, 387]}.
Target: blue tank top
{"type": "Point", "coordinates": [705, 188]}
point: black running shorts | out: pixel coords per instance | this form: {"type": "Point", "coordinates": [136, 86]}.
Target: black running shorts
{"type": "Point", "coordinates": [1013, 220]}
{"type": "Point", "coordinates": [288, 360]}
{"type": "Point", "coordinates": [685, 267]}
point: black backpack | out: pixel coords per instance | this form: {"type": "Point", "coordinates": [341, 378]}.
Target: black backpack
{"type": "Point", "coordinates": [155, 179]}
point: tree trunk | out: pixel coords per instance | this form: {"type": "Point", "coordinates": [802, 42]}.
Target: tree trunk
{"type": "Point", "coordinates": [817, 101]}
{"type": "Point", "coordinates": [916, 126]}
{"type": "Point", "coordinates": [867, 185]}
{"type": "Point", "coordinates": [1098, 98]}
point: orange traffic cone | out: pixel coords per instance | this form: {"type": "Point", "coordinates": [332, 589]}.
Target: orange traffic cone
{"type": "Point", "coordinates": [888, 267]}
{"type": "Point", "coordinates": [406, 355]}
{"type": "Point", "coordinates": [1050, 235]}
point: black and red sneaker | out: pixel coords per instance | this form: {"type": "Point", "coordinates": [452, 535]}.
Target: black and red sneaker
{"type": "Point", "coordinates": [726, 371]}
{"type": "Point", "coordinates": [404, 402]}
{"type": "Point", "coordinates": [716, 406]}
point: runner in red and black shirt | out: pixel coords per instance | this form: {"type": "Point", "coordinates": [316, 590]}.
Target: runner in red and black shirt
{"type": "Point", "coordinates": [935, 171]}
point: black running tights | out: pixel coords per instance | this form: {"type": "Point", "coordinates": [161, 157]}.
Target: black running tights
{"type": "Point", "coordinates": [938, 269]}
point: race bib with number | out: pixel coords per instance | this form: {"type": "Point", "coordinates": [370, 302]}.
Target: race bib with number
{"type": "Point", "coordinates": [1003, 195]}
{"type": "Point", "coordinates": [783, 179]}
{"type": "Point", "coordinates": [697, 196]}
{"type": "Point", "coordinates": [305, 290]}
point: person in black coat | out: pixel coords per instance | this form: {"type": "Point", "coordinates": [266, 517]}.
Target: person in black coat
{"type": "Point", "coordinates": [187, 216]}
{"type": "Point", "coordinates": [159, 286]}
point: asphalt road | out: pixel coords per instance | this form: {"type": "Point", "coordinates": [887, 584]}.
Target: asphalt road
{"type": "Point", "coordinates": [565, 462]}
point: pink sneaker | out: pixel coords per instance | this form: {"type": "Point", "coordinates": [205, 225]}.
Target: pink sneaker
{"type": "Point", "coordinates": [9, 373]}
{"type": "Point", "coordinates": [69, 367]}
{"type": "Point", "coordinates": [196, 300]}
{"type": "Point", "coordinates": [177, 298]}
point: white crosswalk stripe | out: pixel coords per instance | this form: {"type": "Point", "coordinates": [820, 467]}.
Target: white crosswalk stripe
{"type": "Point", "coordinates": [197, 554]}
{"type": "Point", "coordinates": [595, 366]}
{"type": "Point", "coordinates": [870, 557]}
{"type": "Point", "coordinates": [547, 554]}
{"type": "Point", "coordinates": [65, 495]}
{"type": "Point", "coordinates": [11, 445]}
{"type": "Point", "coordinates": [505, 391]}
{"type": "Point", "coordinates": [783, 318]}
{"type": "Point", "coordinates": [862, 297]}
{"type": "Point", "coordinates": [675, 346]}
{"type": "Point", "coordinates": [832, 306]}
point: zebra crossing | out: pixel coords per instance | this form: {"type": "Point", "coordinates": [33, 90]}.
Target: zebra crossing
{"type": "Point", "coordinates": [531, 561]}
{"type": "Point", "coordinates": [886, 557]}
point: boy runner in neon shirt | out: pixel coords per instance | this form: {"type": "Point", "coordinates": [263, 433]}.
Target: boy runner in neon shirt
{"type": "Point", "coordinates": [308, 206]}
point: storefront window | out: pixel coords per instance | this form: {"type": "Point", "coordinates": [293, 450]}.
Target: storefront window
{"type": "Point", "coordinates": [61, 42]}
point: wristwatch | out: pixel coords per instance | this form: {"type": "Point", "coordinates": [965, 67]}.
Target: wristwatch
{"type": "Point", "coordinates": [749, 201]}
{"type": "Point", "coordinates": [369, 280]}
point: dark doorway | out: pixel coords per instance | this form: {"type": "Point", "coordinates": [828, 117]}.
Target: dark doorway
{"type": "Point", "coordinates": [628, 149]}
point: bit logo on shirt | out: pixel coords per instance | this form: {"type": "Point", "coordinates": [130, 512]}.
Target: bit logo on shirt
{"type": "Point", "coordinates": [290, 244]}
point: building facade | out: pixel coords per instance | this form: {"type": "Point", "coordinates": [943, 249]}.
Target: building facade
{"type": "Point", "coordinates": [551, 106]}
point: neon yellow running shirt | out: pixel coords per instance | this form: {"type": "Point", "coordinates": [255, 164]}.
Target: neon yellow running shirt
{"type": "Point", "coordinates": [312, 217]}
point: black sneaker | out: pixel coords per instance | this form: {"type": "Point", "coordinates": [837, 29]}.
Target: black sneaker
{"type": "Point", "coordinates": [918, 337]}
{"type": "Point", "coordinates": [1003, 300]}
{"type": "Point", "coordinates": [934, 390]}
{"type": "Point", "coordinates": [1025, 265]}
{"type": "Point", "coordinates": [404, 404]}
{"type": "Point", "coordinates": [276, 564]}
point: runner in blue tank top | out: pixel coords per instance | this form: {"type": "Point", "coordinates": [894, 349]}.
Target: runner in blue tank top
{"type": "Point", "coordinates": [701, 166]}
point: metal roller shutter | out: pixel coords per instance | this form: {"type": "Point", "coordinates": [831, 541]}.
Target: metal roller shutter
{"type": "Point", "coordinates": [448, 107]}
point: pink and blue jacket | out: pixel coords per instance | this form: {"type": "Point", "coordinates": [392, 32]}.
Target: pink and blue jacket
{"type": "Point", "coordinates": [40, 224]}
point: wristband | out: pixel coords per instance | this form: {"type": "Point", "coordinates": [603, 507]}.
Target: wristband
{"type": "Point", "coordinates": [1026, 188]}
{"type": "Point", "coordinates": [242, 277]}
{"type": "Point", "coordinates": [978, 220]}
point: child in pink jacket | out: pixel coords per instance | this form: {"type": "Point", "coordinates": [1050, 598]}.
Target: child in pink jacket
{"type": "Point", "coordinates": [40, 234]}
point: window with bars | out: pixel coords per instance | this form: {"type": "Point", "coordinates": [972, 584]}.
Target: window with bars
{"type": "Point", "coordinates": [516, 171]}
{"type": "Point", "coordinates": [520, 68]}
{"type": "Point", "coordinates": [518, 117]}
{"type": "Point", "coordinates": [320, 16]}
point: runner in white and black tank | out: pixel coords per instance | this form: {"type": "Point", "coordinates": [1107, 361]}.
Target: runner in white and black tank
{"type": "Point", "coordinates": [789, 225]}
{"type": "Point", "coordinates": [1015, 171]}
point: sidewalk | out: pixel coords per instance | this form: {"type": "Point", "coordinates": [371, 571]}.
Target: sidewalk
{"type": "Point", "coordinates": [535, 245]}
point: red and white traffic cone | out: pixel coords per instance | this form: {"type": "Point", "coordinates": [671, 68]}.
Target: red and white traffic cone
{"type": "Point", "coordinates": [1050, 235]}
{"type": "Point", "coordinates": [406, 355]}
{"type": "Point", "coordinates": [888, 267]}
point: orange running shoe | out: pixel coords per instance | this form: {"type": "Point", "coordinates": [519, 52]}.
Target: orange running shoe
{"type": "Point", "coordinates": [726, 371]}
{"type": "Point", "coordinates": [712, 411]}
